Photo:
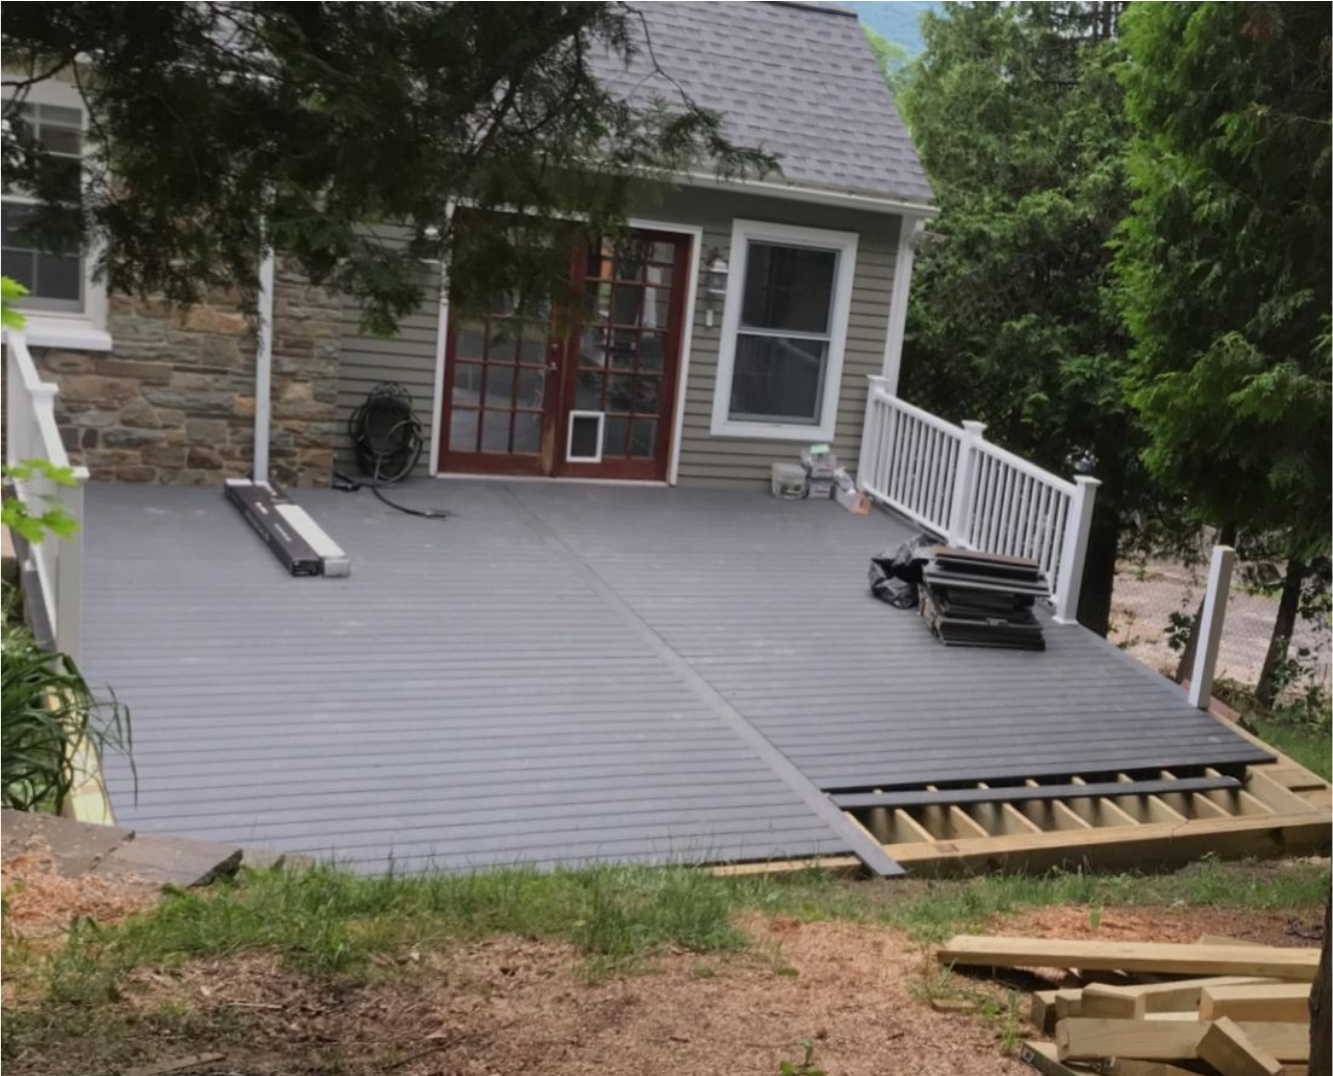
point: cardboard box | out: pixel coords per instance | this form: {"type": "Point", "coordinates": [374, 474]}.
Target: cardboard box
{"type": "Point", "coordinates": [853, 500]}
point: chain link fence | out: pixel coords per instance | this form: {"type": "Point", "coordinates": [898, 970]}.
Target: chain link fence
{"type": "Point", "coordinates": [1156, 600]}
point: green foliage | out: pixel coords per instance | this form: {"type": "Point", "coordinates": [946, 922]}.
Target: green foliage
{"type": "Point", "coordinates": [1224, 260]}
{"type": "Point", "coordinates": [11, 291]}
{"type": "Point", "coordinates": [805, 1066]}
{"type": "Point", "coordinates": [319, 128]}
{"type": "Point", "coordinates": [894, 62]}
{"type": "Point", "coordinates": [1017, 114]}
{"type": "Point", "coordinates": [18, 515]}
{"type": "Point", "coordinates": [48, 712]}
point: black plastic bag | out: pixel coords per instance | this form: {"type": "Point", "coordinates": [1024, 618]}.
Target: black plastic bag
{"type": "Point", "coordinates": [895, 576]}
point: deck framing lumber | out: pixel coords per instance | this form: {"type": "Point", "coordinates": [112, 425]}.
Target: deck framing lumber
{"type": "Point", "coordinates": [1168, 958]}
{"type": "Point", "coordinates": [1233, 1053]}
{"type": "Point", "coordinates": [1089, 1038]}
{"type": "Point", "coordinates": [1279, 1002]}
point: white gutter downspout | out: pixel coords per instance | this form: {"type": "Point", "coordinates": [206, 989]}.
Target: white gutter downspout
{"type": "Point", "coordinates": [909, 228]}
{"type": "Point", "coordinates": [263, 368]}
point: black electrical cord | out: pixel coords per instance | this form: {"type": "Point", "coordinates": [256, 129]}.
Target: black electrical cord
{"type": "Point", "coordinates": [387, 439]}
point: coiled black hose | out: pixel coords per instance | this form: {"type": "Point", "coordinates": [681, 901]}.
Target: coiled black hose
{"type": "Point", "coordinates": [387, 439]}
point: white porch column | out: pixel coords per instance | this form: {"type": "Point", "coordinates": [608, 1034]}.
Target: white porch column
{"type": "Point", "coordinates": [1210, 626]}
{"type": "Point", "coordinates": [263, 368]}
{"type": "Point", "coordinates": [908, 229]}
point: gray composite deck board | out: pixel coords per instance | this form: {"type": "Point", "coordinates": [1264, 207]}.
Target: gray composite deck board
{"type": "Point", "coordinates": [465, 699]}
{"type": "Point", "coordinates": [566, 673]}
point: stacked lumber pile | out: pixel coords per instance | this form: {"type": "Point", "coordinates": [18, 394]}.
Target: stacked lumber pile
{"type": "Point", "coordinates": [1156, 1009]}
{"type": "Point", "coordinates": [982, 599]}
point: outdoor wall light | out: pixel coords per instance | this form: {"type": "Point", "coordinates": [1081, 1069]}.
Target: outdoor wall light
{"type": "Point", "coordinates": [715, 284]}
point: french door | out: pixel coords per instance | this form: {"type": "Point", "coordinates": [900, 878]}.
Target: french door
{"type": "Point", "coordinates": [597, 402]}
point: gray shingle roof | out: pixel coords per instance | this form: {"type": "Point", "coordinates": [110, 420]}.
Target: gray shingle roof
{"type": "Point", "coordinates": [800, 81]}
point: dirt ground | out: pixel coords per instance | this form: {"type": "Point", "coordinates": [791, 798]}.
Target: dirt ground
{"type": "Point", "coordinates": [857, 993]}
{"type": "Point", "coordinates": [1146, 596]}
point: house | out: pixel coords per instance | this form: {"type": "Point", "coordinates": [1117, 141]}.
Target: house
{"type": "Point", "coordinates": [740, 320]}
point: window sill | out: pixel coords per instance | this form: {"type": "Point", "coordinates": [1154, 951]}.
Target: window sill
{"type": "Point", "coordinates": [763, 431]}
{"type": "Point", "coordinates": [69, 334]}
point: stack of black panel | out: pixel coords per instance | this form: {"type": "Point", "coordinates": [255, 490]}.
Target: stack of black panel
{"type": "Point", "coordinates": [982, 599]}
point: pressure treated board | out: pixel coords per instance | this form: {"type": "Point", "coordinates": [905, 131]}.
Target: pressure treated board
{"type": "Point", "coordinates": [1227, 1048]}
{"type": "Point", "coordinates": [1167, 958]}
{"type": "Point", "coordinates": [1082, 1037]}
{"type": "Point", "coordinates": [1275, 1001]}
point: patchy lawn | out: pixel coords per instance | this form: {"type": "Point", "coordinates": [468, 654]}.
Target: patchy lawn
{"type": "Point", "coordinates": [610, 970]}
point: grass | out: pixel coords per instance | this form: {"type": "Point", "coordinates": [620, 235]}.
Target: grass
{"type": "Point", "coordinates": [1310, 745]}
{"type": "Point", "coordinates": [327, 921]}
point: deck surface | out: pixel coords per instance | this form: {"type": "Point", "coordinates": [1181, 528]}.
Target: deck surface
{"type": "Point", "coordinates": [562, 673]}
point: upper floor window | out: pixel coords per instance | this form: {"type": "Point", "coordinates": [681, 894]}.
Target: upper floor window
{"type": "Point", "coordinates": [64, 305]}
{"type": "Point", "coordinates": [784, 331]}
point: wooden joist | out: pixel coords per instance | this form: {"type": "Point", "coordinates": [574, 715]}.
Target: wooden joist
{"type": "Point", "coordinates": [1135, 1002]}
{"type": "Point", "coordinates": [1234, 1053]}
{"type": "Point", "coordinates": [947, 796]}
{"type": "Point", "coordinates": [1091, 1037]}
{"type": "Point", "coordinates": [1281, 1002]}
{"type": "Point", "coordinates": [1167, 958]}
{"type": "Point", "coordinates": [1306, 833]}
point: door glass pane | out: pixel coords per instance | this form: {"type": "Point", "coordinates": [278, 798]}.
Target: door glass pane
{"type": "Point", "coordinates": [599, 302]}
{"type": "Point", "coordinates": [527, 433]}
{"type": "Point", "coordinates": [502, 342]}
{"type": "Point", "coordinates": [495, 431]}
{"type": "Point", "coordinates": [627, 302]}
{"type": "Point", "coordinates": [778, 378]}
{"type": "Point", "coordinates": [591, 343]}
{"type": "Point", "coordinates": [463, 431]}
{"type": "Point", "coordinates": [471, 342]}
{"type": "Point", "coordinates": [531, 387]}
{"type": "Point", "coordinates": [621, 394]}
{"type": "Point", "coordinates": [647, 393]}
{"type": "Point", "coordinates": [663, 252]}
{"type": "Point", "coordinates": [467, 384]}
{"type": "Point", "coordinates": [614, 442]}
{"type": "Point", "coordinates": [629, 260]}
{"type": "Point", "coordinates": [652, 351]}
{"type": "Point", "coordinates": [499, 386]}
{"type": "Point", "coordinates": [588, 392]}
{"type": "Point", "coordinates": [643, 436]}
{"type": "Point", "coordinates": [623, 346]}
{"type": "Point", "coordinates": [532, 345]}
{"type": "Point", "coordinates": [788, 288]}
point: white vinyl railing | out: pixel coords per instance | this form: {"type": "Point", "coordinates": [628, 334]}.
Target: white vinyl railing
{"type": "Point", "coordinates": [31, 433]}
{"type": "Point", "coordinates": [974, 494]}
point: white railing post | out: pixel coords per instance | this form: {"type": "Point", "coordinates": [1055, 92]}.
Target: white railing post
{"type": "Point", "coordinates": [1074, 552]}
{"type": "Point", "coordinates": [960, 512]}
{"type": "Point", "coordinates": [13, 401]}
{"type": "Point", "coordinates": [69, 570]}
{"type": "Point", "coordinates": [867, 473]}
{"type": "Point", "coordinates": [1210, 626]}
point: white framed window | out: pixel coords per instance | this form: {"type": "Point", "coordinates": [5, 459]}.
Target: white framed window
{"type": "Point", "coordinates": [65, 306]}
{"type": "Point", "coordinates": [784, 332]}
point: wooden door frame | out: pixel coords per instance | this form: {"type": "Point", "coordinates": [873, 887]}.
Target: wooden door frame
{"type": "Point", "coordinates": [695, 260]}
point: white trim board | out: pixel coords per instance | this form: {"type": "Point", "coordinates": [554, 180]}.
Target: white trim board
{"type": "Point", "coordinates": [810, 195]}
{"type": "Point", "coordinates": [908, 231]}
{"type": "Point", "coordinates": [441, 353]}
{"type": "Point", "coordinates": [743, 232]}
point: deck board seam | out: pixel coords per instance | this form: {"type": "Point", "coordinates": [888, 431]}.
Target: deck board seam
{"type": "Point", "coordinates": [867, 850]}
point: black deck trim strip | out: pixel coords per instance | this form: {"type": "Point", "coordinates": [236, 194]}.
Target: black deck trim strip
{"type": "Point", "coordinates": [860, 843]}
{"type": "Point", "coordinates": [949, 796]}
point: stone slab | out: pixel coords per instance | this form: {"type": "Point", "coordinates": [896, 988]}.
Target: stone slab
{"type": "Point", "coordinates": [168, 860]}
{"type": "Point", "coordinates": [76, 847]}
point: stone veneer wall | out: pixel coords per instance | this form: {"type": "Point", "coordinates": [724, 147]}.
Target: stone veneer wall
{"type": "Point", "coordinates": [174, 402]}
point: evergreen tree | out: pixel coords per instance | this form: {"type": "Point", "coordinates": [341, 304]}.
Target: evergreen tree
{"type": "Point", "coordinates": [220, 128]}
{"type": "Point", "coordinates": [1225, 268]}
{"type": "Point", "coordinates": [1019, 120]}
